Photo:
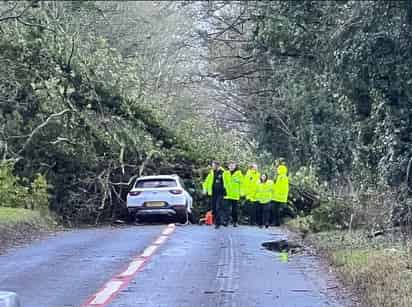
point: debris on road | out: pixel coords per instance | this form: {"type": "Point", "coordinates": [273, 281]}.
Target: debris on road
{"type": "Point", "coordinates": [282, 246]}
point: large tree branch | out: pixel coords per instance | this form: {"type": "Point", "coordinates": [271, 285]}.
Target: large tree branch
{"type": "Point", "coordinates": [26, 23]}
{"type": "Point", "coordinates": [39, 127]}
{"type": "Point", "coordinates": [239, 75]}
{"type": "Point", "coordinates": [146, 160]}
{"type": "Point", "coordinates": [9, 10]}
{"type": "Point", "coordinates": [69, 61]}
{"type": "Point", "coordinates": [19, 18]}
{"type": "Point", "coordinates": [15, 16]}
{"type": "Point", "coordinates": [230, 26]}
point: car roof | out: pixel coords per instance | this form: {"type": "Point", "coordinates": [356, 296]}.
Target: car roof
{"type": "Point", "coordinates": [174, 177]}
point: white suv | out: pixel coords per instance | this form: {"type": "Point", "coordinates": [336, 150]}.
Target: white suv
{"type": "Point", "coordinates": [160, 195]}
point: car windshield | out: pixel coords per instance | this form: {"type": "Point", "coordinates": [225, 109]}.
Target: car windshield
{"type": "Point", "coordinates": [156, 183]}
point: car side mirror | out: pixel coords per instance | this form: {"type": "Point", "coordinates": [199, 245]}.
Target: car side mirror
{"type": "Point", "coordinates": [9, 299]}
{"type": "Point", "coordinates": [191, 190]}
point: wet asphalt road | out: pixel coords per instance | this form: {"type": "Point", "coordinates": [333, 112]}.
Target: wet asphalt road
{"type": "Point", "coordinates": [197, 266]}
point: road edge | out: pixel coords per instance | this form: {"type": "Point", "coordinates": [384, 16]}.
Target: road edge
{"type": "Point", "coordinates": [341, 292]}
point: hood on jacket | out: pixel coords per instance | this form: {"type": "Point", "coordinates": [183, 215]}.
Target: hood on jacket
{"type": "Point", "coordinates": [282, 170]}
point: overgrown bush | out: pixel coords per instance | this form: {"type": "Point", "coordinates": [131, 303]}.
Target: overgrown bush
{"type": "Point", "coordinates": [302, 224]}
{"type": "Point", "coordinates": [305, 190]}
{"type": "Point", "coordinates": [12, 194]}
{"type": "Point", "coordinates": [15, 194]}
{"type": "Point", "coordinates": [306, 179]}
{"type": "Point", "coordinates": [332, 214]}
{"type": "Point", "coordinates": [39, 196]}
{"type": "Point", "coordinates": [378, 267]}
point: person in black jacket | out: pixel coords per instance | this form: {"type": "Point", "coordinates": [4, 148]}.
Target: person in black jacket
{"type": "Point", "coordinates": [213, 186]}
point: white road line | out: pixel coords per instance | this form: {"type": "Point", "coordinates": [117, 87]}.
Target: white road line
{"type": "Point", "coordinates": [110, 288]}
{"type": "Point", "coordinates": [149, 251]}
{"type": "Point", "coordinates": [168, 231]}
{"type": "Point", "coordinates": [160, 240]}
{"type": "Point", "coordinates": [132, 268]}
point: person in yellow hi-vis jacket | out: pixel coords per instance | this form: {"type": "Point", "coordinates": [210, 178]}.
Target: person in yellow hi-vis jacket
{"type": "Point", "coordinates": [214, 188]}
{"type": "Point", "coordinates": [280, 192]}
{"type": "Point", "coordinates": [263, 196]}
{"type": "Point", "coordinates": [232, 181]}
{"type": "Point", "coordinates": [250, 182]}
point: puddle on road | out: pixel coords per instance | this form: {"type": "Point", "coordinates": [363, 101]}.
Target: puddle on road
{"type": "Point", "coordinates": [283, 247]}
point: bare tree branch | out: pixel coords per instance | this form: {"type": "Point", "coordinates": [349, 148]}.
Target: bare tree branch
{"type": "Point", "coordinates": [72, 52]}
{"type": "Point", "coordinates": [9, 10]}
{"type": "Point", "coordinates": [38, 128]}
{"type": "Point", "coordinates": [26, 23]}
{"type": "Point", "coordinates": [15, 16]}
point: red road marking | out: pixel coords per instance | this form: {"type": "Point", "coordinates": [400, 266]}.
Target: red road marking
{"type": "Point", "coordinates": [112, 288]}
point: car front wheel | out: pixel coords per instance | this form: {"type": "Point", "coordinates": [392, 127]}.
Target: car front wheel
{"type": "Point", "coordinates": [182, 217]}
{"type": "Point", "coordinates": [193, 218]}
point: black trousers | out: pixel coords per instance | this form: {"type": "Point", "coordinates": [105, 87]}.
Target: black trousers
{"type": "Point", "coordinates": [222, 213]}
{"type": "Point", "coordinates": [263, 213]}
{"type": "Point", "coordinates": [272, 215]}
{"type": "Point", "coordinates": [252, 208]}
{"type": "Point", "coordinates": [276, 207]}
{"type": "Point", "coordinates": [233, 206]}
{"type": "Point", "coordinates": [216, 204]}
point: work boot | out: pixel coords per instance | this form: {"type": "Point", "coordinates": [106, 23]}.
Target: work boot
{"type": "Point", "coordinates": [266, 226]}
{"type": "Point", "coordinates": [234, 224]}
{"type": "Point", "coordinates": [217, 226]}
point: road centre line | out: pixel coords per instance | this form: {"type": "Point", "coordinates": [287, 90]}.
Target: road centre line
{"type": "Point", "coordinates": [167, 231]}
{"type": "Point", "coordinates": [133, 267]}
{"type": "Point", "coordinates": [160, 240]}
{"type": "Point", "coordinates": [112, 288]}
{"type": "Point", "coordinates": [149, 251]}
{"type": "Point", "coordinates": [109, 289]}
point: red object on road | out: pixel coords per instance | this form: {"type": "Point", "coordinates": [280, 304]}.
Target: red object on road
{"type": "Point", "coordinates": [209, 218]}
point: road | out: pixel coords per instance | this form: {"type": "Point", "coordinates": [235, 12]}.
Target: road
{"type": "Point", "coordinates": [187, 266]}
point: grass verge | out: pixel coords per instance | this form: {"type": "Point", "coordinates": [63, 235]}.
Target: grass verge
{"type": "Point", "coordinates": [378, 269]}
{"type": "Point", "coordinates": [20, 225]}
